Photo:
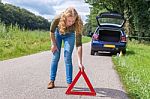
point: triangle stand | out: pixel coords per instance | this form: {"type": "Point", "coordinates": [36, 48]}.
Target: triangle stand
{"type": "Point", "coordinates": [71, 92]}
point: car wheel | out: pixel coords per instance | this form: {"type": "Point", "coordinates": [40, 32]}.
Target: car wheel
{"type": "Point", "coordinates": [92, 52]}
{"type": "Point", "coordinates": [113, 53]}
{"type": "Point", "coordinates": [124, 51]}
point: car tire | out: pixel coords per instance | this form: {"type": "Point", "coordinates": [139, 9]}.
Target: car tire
{"type": "Point", "coordinates": [113, 53]}
{"type": "Point", "coordinates": [92, 52]}
{"type": "Point", "coordinates": [124, 51]}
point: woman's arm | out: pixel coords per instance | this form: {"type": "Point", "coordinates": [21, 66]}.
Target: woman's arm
{"type": "Point", "coordinates": [53, 43]}
{"type": "Point", "coordinates": [53, 26]}
{"type": "Point", "coordinates": [79, 54]}
{"type": "Point", "coordinates": [79, 50]}
{"type": "Point", "coordinates": [52, 38]}
{"type": "Point", "coordinates": [52, 35]}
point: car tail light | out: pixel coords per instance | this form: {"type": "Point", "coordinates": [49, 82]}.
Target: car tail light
{"type": "Point", "coordinates": [95, 36]}
{"type": "Point", "coordinates": [123, 39]}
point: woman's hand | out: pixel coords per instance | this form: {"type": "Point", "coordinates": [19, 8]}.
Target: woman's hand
{"type": "Point", "coordinates": [81, 67]}
{"type": "Point", "coordinates": [54, 48]}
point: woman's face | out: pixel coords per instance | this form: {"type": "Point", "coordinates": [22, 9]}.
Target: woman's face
{"type": "Point", "coordinates": [70, 21]}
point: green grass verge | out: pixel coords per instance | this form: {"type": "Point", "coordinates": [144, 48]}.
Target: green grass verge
{"type": "Point", "coordinates": [134, 70]}
{"type": "Point", "coordinates": [23, 43]}
{"type": "Point", "coordinates": [86, 39]}
{"type": "Point", "coordinates": [15, 42]}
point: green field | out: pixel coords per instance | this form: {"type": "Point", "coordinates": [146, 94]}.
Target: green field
{"type": "Point", "coordinates": [15, 42]}
{"type": "Point", "coordinates": [134, 70]}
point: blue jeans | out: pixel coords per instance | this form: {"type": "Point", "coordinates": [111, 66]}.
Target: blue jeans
{"type": "Point", "coordinates": [69, 40]}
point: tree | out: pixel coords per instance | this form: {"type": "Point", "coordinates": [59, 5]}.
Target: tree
{"type": "Point", "coordinates": [136, 12]}
{"type": "Point", "coordinates": [10, 14]}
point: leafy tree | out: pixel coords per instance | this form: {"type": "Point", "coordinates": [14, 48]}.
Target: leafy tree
{"type": "Point", "coordinates": [10, 14]}
{"type": "Point", "coordinates": [136, 12]}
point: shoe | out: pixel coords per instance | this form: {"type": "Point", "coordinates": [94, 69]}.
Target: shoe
{"type": "Point", "coordinates": [51, 85]}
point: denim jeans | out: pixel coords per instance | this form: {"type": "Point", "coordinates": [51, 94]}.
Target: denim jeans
{"type": "Point", "coordinates": [69, 40]}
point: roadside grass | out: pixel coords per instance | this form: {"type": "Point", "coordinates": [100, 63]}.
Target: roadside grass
{"type": "Point", "coordinates": [134, 70]}
{"type": "Point", "coordinates": [86, 39]}
{"type": "Point", "coordinates": [15, 42]}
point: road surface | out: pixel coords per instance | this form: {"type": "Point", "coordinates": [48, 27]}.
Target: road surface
{"type": "Point", "coordinates": [27, 77]}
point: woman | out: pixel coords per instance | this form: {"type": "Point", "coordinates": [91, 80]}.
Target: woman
{"type": "Point", "coordinates": [66, 27]}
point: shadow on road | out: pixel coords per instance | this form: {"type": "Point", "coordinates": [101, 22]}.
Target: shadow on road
{"type": "Point", "coordinates": [110, 54]}
{"type": "Point", "coordinates": [106, 92]}
{"type": "Point", "coordinates": [103, 54]}
{"type": "Point", "coordinates": [112, 93]}
{"type": "Point", "coordinates": [60, 86]}
{"type": "Point", "coordinates": [102, 92]}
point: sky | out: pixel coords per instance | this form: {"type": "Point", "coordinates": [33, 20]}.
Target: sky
{"type": "Point", "coordinates": [49, 8]}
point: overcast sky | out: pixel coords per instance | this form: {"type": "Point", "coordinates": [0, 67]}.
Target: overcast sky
{"type": "Point", "coordinates": [49, 8]}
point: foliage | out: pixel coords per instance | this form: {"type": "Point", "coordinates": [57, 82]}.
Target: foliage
{"type": "Point", "coordinates": [10, 14]}
{"type": "Point", "coordinates": [134, 70]}
{"type": "Point", "coordinates": [15, 42]}
{"type": "Point", "coordinates": [136, 12]}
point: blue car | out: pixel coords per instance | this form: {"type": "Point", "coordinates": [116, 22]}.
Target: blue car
{"type": "Point", "coordinates": [109, 35]}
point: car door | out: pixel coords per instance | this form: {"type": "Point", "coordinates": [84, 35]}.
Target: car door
{"type": "Point", "coordinates": [110, 19]}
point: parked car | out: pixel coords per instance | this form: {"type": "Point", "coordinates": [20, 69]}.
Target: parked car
{"type": "Point", "coordinates": [109, 35]}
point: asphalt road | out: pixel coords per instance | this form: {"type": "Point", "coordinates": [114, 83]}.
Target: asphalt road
{"type": "Point", "coordinates": [27, 77]}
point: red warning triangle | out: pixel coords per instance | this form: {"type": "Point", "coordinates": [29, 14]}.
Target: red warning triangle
{"type": "Point", "coordinates": [70, 91]}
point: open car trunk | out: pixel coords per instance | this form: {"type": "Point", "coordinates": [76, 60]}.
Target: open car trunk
{"type": "Point", "coordinates": [109, 36]}
{"type": "Point", "coordinates": [110, 19]}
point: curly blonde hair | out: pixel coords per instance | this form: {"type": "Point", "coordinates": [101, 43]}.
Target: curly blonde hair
{"type": "Point", "coordinates": [70, 12]}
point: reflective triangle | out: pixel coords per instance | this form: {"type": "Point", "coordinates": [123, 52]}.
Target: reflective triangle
{"type": "Point", "coordinates": [70, 91]}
